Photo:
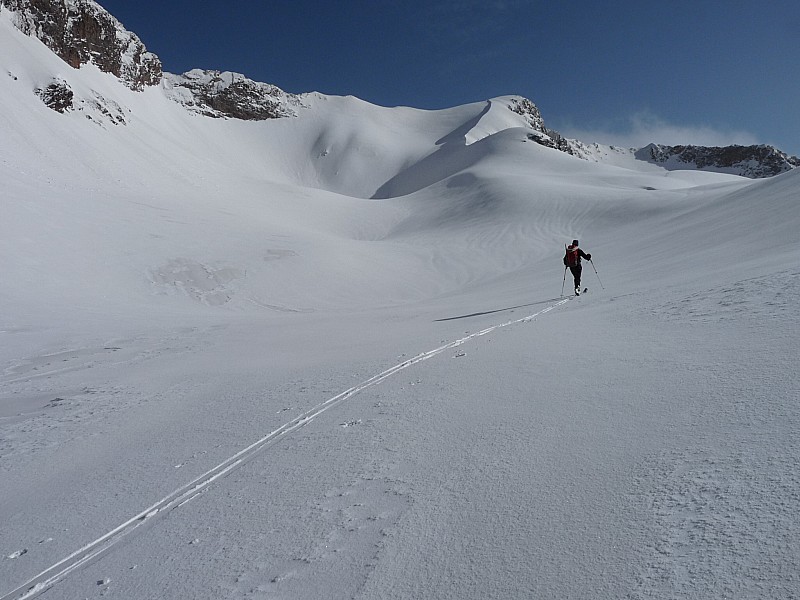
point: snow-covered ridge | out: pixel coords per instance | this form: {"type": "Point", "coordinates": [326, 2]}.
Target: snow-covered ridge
{"type": "Point", "coordinates": [225, 94]}
{"type": "Point", "coordinates": [82, 32]}
{"type": "Point", "coordinates": [748, 161]}
{"type": "Point", "coordinates": [754, 162]}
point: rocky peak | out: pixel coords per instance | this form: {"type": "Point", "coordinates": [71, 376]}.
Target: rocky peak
{"type": "Point", "coordinates": [81, 32]}
{"type": "Point", "coordinates": [229, 95]}
{"type": "Point", "coordinates": [748, 161]}
{"type": "Point", "coordinates": [530, 112]}
{"type": "Point", "coordinates": [541, 134]}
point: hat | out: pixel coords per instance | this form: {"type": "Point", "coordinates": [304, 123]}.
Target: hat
{"type": "Point", "coordinates": [575, 242]}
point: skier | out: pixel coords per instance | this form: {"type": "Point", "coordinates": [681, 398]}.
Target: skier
{"type": "Point", "coordinates": [572, 259]}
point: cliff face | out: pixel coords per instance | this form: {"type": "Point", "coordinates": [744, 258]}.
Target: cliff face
{"type": "Point", "coordinates": [81, 31]}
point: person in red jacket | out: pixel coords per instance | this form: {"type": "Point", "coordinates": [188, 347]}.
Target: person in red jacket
{"type": "Point", "coordinates": [572, 259]}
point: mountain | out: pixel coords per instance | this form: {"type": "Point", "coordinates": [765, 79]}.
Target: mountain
{"type": "Point", "coordinates": [81, 32]}
{"type": "Point", "coordinates": [748, 161]}
{"type": "Point", "coordinates": [325, 354]}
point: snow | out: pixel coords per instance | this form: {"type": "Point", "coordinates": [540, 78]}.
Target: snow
{"type": "Point", "coordinates": [327, 356]}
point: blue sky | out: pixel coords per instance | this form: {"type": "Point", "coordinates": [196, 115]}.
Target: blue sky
{"type": "Point", "coordinates": [622, 72]}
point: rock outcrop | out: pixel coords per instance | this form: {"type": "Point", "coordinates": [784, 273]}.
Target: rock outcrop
{"type": "Point", "coordinates": [81, 32]}
{"type": "Point", "coordinates": [229, 95]}
{"type": "Point", "coordinates": [58, 95]}
{"type": "Point", "coordinates": [541, 134]}
{"type": "Point", "coordinates": [748, 161]}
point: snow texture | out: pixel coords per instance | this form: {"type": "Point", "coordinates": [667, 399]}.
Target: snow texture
{"type": "Point", "coordinates": [326, 356]}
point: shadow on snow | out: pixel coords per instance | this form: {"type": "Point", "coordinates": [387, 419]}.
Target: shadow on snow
{"type": "Point", "coordinates": [497, 310]}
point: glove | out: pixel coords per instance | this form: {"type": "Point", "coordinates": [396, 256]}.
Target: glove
{"type": "Point", "coordinates": [588, 257]}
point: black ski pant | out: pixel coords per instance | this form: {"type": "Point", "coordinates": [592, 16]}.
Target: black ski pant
{"type": "Point", "coordinates": [576, 275]}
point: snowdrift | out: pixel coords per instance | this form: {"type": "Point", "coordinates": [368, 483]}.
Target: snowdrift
{"type": "Point", "coordinates": [327, 355]}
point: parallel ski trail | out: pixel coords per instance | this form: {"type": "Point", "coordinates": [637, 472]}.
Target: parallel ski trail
{"type": "Point", "coordinates": [60, 570]}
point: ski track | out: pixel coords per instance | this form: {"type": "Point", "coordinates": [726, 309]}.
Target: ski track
{"type": "Point", "coordinates": [63, 568]}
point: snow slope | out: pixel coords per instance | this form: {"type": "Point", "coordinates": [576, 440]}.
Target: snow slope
{"type": "Point", "coordinates": [327, 356]}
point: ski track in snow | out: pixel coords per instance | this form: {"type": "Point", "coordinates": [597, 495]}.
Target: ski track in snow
{"type": "Point", "coordinates": [179, 497]}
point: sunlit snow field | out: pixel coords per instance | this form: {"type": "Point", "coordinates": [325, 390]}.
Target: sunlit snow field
{"type": "Point", "coordinates": [328, 357]}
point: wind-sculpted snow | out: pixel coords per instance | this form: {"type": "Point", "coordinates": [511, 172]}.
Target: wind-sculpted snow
{"type": "Point", "coordinates": [296, 357]}
{"type": "Point", "coordinates": [183, 495]}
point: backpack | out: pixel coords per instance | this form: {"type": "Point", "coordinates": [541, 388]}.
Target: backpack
{"type": "Point", "coordinates": [572, 257]}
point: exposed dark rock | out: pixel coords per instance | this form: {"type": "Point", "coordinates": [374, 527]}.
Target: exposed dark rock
{"type": "Point", "coordinates": [58, 96]}
{"type": "Point", "coordinates": [81, 31]}
{"type": "Point", "coordinates": [527, 109]}
{"type": "Point", "coordinates": [103, 110]}
{"type": "Point", "coordinates": [540, 134]}
{"type": "Point", "coordinates": [748, 161]}
{"type": "Point", "coordinates": [553, 139]}
{"type": "Point", "coordinates": [224, 94]}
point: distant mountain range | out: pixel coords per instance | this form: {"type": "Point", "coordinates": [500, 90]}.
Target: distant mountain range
{"type": "Point", "coordinates": [749, 161]}
{"type": "Point", "coordinates": [82, 32]}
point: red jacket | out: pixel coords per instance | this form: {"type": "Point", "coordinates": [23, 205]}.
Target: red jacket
{"type": "Point", "coordinates": [573, 256]}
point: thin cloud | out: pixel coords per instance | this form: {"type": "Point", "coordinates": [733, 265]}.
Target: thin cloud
{"type": "Point", "coordinates": [646, 128]}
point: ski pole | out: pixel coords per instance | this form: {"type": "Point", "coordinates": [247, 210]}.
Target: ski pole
{"type": "Point", "coordinates": [596, 273]}
{"type": "Point", "coordinates": [564, 282]}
